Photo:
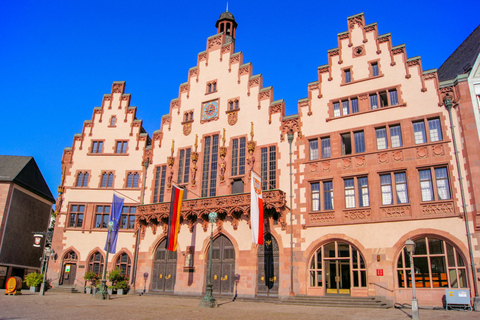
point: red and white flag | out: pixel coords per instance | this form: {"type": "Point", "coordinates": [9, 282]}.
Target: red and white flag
{"type": "Point", "coordinates": [256, 209]}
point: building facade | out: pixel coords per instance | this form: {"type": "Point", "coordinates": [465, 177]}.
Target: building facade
{"type": "Point", "coordinates": [371, 162]}
{"type": "Point", "coordinates": [25, 207]}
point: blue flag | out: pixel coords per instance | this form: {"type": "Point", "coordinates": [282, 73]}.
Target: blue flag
{"type": "Point", "coordinates": [115, 215]}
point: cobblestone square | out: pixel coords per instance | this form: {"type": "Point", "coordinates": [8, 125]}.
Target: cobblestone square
{"type": "Point", "coordinates": [81, 306]}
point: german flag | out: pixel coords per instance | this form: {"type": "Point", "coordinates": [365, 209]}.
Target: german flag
{"type": "Point", "coordinates": [174, 219]}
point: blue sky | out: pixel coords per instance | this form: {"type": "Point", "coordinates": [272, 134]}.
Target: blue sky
{"type": "Point", "coordinates": [58, 58]}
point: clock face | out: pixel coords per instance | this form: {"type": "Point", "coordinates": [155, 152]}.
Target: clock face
{"type": "Point", "coordinates": [210, 110]}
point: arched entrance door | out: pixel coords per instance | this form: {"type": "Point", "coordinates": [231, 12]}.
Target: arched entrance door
{"type": "Point", "coordinates": [69, 269]}
{"type": "Point", "coordinates": [164, 269]}
{"type": "Point", "coordinates": [223, 265]}
{"type": "Point", "coordinates": [338, 266]}
{"type": "Point", "coordinates": [268, 260]}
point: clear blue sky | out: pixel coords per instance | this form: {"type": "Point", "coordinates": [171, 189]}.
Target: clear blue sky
{"type": "Point", "coordinates": [58, 58]}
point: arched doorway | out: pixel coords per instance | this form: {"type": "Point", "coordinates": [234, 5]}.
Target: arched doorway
{"type": "Point", "coordinates": [69, 268]}
{"type": "Point", "coordinates": [164, 269]}
{"type": "Point", "coordinates": [268, 267]}
{"type": "Point", "coordinates": [337, 266]}
{"type": "Point", "coordinates": [223, 265]}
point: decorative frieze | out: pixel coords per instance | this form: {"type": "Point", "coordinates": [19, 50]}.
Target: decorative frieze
{"type": "Point", "coordinates": [442, 208]}
{"type": "Point", "coordinates": [357, 215]}
{"type": "Point", "coordinates": [323, 217]}
{"type": "Point", "coordinates": [396, 212]}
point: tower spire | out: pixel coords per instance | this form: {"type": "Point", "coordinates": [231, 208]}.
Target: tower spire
{"type": "Point", "coordinates": [227, 7]}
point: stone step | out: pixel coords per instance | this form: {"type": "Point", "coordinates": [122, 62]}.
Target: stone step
{"type": "Point", "coordinates": [64, 289]}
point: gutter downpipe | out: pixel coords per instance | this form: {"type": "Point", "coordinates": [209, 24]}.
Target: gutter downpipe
{"type": "Point", "coordinates": [476, 301]}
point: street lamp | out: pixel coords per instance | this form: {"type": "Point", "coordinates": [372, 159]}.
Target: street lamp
{"type": "Point", "coordinates": [209, 301]}
{"type": "Point", "coordinates": [47, 254]}
{"type": "Point", "coordinates": [290, 140]}
{"type": "Point", "coordinates": [103, 293]}
{"type": "Point", "coordinates": [410, 246]}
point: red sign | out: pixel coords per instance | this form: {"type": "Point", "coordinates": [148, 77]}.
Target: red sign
{"type": "Point", "coordinates": [379, 272]}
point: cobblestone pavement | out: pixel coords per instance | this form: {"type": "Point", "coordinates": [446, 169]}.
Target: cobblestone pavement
{"type": "Point", "coordinates": [81, 306]}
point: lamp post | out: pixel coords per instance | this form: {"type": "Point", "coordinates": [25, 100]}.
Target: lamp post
{"type": "Point", "coordinates": [410, 245]}
{"type": "Point", "coordinates": [290, 140]}
{"type": "Point", "coordinates": [103, 293]}
{"type": "Point", "coordinates": [209, 301]}
{"type": "Point", "coordinates": [47, 253]}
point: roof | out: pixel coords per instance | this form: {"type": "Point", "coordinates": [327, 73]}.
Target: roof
{"type": "Point", "coordinates": [226, 16]}
{"type": "Point", "coordinates": [24, 171]}
{"type": "Point", "coordinates": [462, 59]}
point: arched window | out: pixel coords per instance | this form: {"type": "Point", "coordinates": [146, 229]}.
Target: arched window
{"type": "Point", "coordinates": [113, 120]}
{"type": "Point", "coordinates": [95, 263]}
{"type": "Point", "coordinates": [71, 255]}
{"type": "Point", "coordinates": [124, 264]}
{"type": "Point", "coordinates": [437, 264]}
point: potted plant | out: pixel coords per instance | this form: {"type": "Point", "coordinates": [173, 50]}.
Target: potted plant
{"type": "Point", "coordinates": [110, 289]}
{"type": "Point", "coordinates": [92, 277]}
{"type": "Point", "coordinates": [33, 280]}
{"type": "Point", "coordinates": [122, 287]}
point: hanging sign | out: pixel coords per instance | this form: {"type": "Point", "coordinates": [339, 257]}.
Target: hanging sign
{"type": "Point", "coordinates": [37, 240]}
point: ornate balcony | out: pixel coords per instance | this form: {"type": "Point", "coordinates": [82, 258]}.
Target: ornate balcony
{"type": "Point", "coordinates": [235, 207]}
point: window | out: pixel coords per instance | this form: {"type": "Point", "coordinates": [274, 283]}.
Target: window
{"type": "Point", "coordinates": [400, 190]}
{"type": "Point", "coordinates": [188, 116]}
{"type": "Point", "coordinates": [419, 132]}
{"type": "Point", "coordinates": [383, 99]}
{"type": "Point", "coordinates": [313, 149]}
{"type": "Point", "coordinates": [132, 179]}
{"type": "Point", "coordinates": [95, 263]}
{"type": "Point", "coordinates": [348, 76]}
{"type": "Point", "coordinates": [326, 150]}
{"type": "Point", "coordinates": [375, 69]}
{"type": "Point", "coordinates": [442, 190]}
{"type": "Point", "coordinates": [101, 216]}
{"type": "Point", "coordinates": [82, 179]}
{"type": "Point", "coordinates": [238, 156]}
{"type": "Point", "coordinates": [348, 106]}
{"type": "Point", "coordinates": [159, 189]}
{"type": "Point", "coordinates": [107, 180]}
{"type": "Point", "coordinates": [233, 104]}
{"type": "Point", "coordinates": [346, 144]}
{"type": "Point", "coordinates": [438, 264]}
{"type": "Point", "coordinates": [121, 147]}
{"type": "Point", "coordinates": [184, 166]}
{"type": "Point", "coordinates": [435, 130]}
{"type": "Point", "coordinates": [359, 142]}
{"type": "Point", "coordinates": [327, 196]}
{"type": "Point", "coordinates": [76, 216]}
{"type": "Point", "coordinates": [124, 264]}
{"type": "Point", "coordinates": [97, 146]}
{"type": "Point", "coordinates": [211, 86]}
{"type": "Point", "coordinates": [128, 217]}
{"type": "Point", "coordinates": [113, 121]}
{"type": "Point", "coordinates": [268, 167]}
{"type": "Point", "coordinates": [395, 136]}
{"type": "Point", "coordinates": [381, 138]}
{"type": "Point", "coordinates": [362, 185]}
{"type": "Point", "coordinates": [209, 173]}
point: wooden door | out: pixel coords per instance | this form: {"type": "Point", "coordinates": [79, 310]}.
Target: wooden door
{"type": "Point", "coordinates": [164, 269]}
{"type": "Point", "coordinates": [69, 273]}
{"type": "Point", "coordinates": [223, 266]}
